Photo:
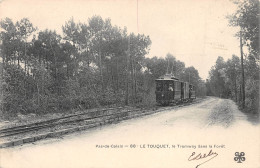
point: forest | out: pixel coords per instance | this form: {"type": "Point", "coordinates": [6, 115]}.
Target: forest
{"type": "Point", "coordinates": [90, 65]}
{"type": "Point", "coordinates": [238, 77]}
{"type": "Point", "coordinates": [96, 64]}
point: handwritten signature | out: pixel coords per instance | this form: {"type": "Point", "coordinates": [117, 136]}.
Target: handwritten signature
{"type": "Point", "coordinates": [200, 156]}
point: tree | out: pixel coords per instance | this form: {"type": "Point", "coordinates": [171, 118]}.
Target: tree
{"type": "Point", "coordinates": [157, 67]}
{"type": "Point", "coordinates": [232, 75]}
{"type": "Point", "coordinates": [217, 77]}
{"type": "Point", "coordinates": [247, 18]}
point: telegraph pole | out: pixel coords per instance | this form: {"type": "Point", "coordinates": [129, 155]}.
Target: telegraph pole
{"type": "Point", "coordinates": [243, 75]}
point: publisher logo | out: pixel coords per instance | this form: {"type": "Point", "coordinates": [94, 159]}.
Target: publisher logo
{"type": "Point", "coordinates": [239, 157]}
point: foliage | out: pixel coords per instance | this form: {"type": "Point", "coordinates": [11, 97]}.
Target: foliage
{"type": "Point", "coordinates": [157, 67]}
{"type": "Point", "coordinates": [225, 81]}
{"type": "Point", "coordinates": [92, 64]}
{"type": "Point", "coordinates": [247, 18]}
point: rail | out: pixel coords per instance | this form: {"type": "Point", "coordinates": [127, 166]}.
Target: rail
{"type": "Point", "coordinates": [76, 122]}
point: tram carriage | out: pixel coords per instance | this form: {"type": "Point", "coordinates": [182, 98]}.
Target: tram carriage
{"type": "Point", "coordinates": [170, 89]}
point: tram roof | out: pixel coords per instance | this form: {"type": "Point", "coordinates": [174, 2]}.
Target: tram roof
{"type": "Point", "coordinates": [168, 77]}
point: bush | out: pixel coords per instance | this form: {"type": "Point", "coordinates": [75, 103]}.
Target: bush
{"type": "Point", "coordinates": [252, 95]}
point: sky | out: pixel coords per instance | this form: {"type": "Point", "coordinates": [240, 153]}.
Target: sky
{"type": "Point", "coordinates": [196, 32]}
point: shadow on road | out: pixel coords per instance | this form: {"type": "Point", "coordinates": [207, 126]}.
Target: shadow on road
{"type": "Point", "coordinates": [253, 118]}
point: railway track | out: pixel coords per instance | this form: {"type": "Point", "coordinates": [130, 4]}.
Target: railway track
{"type": "Point", "coordinates": [53, 122]}
{"type": "Point", "coordinates": [83, 119]}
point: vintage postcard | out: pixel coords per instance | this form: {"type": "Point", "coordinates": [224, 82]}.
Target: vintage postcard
{"type": "Point", "coordinates": [129, 83]}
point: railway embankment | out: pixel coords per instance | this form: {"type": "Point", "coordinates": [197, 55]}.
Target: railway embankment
{"type": "Point", "coordinates": [18, 134]}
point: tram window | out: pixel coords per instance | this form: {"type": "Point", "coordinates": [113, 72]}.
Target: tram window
{"type": "Point", "coordinates": [170, 87]}
{"type": "Point", "coordinates": [165, 86]}
{"type": "Point", "coordinates": [159, 86]}
{"type": "Point", "coordinates": [176, 85]}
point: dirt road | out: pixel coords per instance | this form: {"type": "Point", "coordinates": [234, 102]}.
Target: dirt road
{"type": "Point", "coordinates": [167, 139]}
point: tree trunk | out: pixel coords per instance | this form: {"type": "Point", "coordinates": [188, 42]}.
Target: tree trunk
{"type": "Point", "coordinates": [127, 86]}
{"type": "Point", "coordinates": [38, 94]}
{"type": "Point", "coordinates": [25, 68]}
{"type": "Point", "coordinates": [132, 78]}
{"type": "Point", "coordinates": [68, 76]}
{"type": "Point", "coordinates": [18, 59]}
{"type": "Point", "coordinates": [101, 72]}
{"type": "Point", "coordinates": [236, 89]}
{"type": "Point", "coordinates": [117, 83]}
{"type": "Point", "coordinates": [135, 86]}
{"type": "Point", "coordinates": [243, 76]}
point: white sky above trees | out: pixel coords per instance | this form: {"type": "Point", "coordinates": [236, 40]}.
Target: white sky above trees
{"type": "Point", "coordinates": [194, 31]}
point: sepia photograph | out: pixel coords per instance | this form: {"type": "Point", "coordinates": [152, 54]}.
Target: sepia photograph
{"type": "Point", "coordinates": [129, 84]}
